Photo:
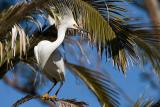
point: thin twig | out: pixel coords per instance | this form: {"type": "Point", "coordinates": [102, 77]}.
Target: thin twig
{"type": "Point", "coordinates": [30, 97]}
{"type": "Point", "coordinates": [25, 99]}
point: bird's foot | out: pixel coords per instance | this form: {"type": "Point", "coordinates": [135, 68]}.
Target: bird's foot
{"type": "Point", "coordinates": [47, 97]}
{"type": "Point", "coordinates": [53, 97]}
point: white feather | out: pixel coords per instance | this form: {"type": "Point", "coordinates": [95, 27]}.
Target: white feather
{"type": "Point", "coordinates": [45, 48]}
{"type": "Point", "coordinates": [36, 53]}
{"type": "Point", "coordinates": [51, 20]}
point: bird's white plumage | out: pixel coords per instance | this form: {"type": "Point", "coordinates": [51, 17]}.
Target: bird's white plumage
{"type": "Point", "coordinates": [48, 58]}
{"type": "Point", "coordinates": [50, 20]}
{"type": "Point", "coordinates": [36, 53]}
{"type": "Point", "coordinates": [45, 48]}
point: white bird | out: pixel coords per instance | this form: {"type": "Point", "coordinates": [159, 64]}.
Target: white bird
{"type": "Point", "coordinates": [48, 58]}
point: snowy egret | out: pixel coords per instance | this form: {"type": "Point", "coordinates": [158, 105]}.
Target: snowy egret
{"type": "Point", "coordinates": [48, 58]}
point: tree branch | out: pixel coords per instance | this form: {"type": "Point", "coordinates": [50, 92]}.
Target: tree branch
{"type": "Point", "coordinates": [51, 102]}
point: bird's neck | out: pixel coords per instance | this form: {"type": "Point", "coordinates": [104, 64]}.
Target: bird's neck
{"type": "Point", "coordinates": [55, 44]}
{"type": "Point", "coordinates": [60, 37]}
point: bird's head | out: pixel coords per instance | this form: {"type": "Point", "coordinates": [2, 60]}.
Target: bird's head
{"type": "Point", "coordinates": [69, 22]}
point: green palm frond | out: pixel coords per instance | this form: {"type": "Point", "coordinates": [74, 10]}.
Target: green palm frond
{"type": "Point", "coordinates": [110, 32]}
{"type": "Point", "coordinates": [91, 20]}
{"type": "Point", "coordinates": [98, 83]}
{"type": "Point", "coordinates": [100, 31]}
{"type": "Point", "coordinates": [108, 8]}
{"type": "Point", "coordinates": [122, 45]}
{"type": "Point", "coordinates": [145, 43]}
{"type": "Point", "coordinates": [148, 52]}
{"type": "Point", "coordinates": [130, 35]}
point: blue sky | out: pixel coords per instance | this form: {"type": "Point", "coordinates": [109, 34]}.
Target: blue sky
{"type": "Point", "coordinates": [74, 88]}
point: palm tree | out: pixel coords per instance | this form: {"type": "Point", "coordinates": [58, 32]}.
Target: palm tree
{"type": "Point", "coordinates": [108, 29]}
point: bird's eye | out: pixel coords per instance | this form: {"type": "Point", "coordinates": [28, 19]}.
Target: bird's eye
{"type": "Point", "coordinates": [74, 25]}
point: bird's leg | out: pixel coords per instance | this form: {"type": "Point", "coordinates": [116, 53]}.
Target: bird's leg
{"type": "Point", "coordinates": [51, 88]}
{"type": "Point", "coordinates": [55, 96]}
{"type": "Point", "coordinates": [46, 95]}
{"type": "Point", "coordinates": [61, 84]}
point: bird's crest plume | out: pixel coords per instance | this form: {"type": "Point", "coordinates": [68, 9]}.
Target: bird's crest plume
{"type": "Point", "coordinates": [60, 14]}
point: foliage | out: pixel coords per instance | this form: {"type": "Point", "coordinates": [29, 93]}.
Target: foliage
{"type": "Point", "coordinates": [108, 29]}
{"type": "Point", "coordinates": [99, 84]}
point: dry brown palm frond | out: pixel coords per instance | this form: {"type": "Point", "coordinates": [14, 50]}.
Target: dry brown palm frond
{"type": "Point", "coordinates": [71, 103]}
{"type": "Point", "coordinates": [15, 13]}
{"type": "Point", "coordinates": [8, 52]}
{"type": "Point", "coordinates": [56, 103]}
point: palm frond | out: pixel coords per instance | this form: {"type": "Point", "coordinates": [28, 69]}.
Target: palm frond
{"type": "Point", "coordinates": [110, 34]}
{"type": "Point", "coordinates": [15, 13]}
{"type": "Point", "coordinates": [156, 104]}
{"type": "Point", "coordinates": [8, 59]}
{"type": "Point", "coordinates": [71, 103]}
{"type": "Point", "coordinates": [121, 46]}
{"type": "Point", "coordinates": [100, 31]}
{"type": "Point", "coordinates": [145, 43]}
{"type": "Point", "coordinates": [98, 83]}
{"type": "Point", "coordinates": [129, 35]}
{"type": "Point", "coordinates": [10, 27]}
{"type": "Point", "coordinates": [57, 102]}
{"type": "Point", "coordinates": [108, 8]}
{"type": "Point", "coordinates": [142, 103]}
{"type": "Point", "coordinates": [92, 19]}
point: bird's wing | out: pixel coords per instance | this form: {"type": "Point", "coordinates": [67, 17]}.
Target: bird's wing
{"type": "Point", "coordinates": [60, 65]}
{"type": "Point", "coordinates": [36, 53]}
{"type": "Point", "coordinates": [58, 61]}
{"type": "Point", "coordinates": [61, 68]}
